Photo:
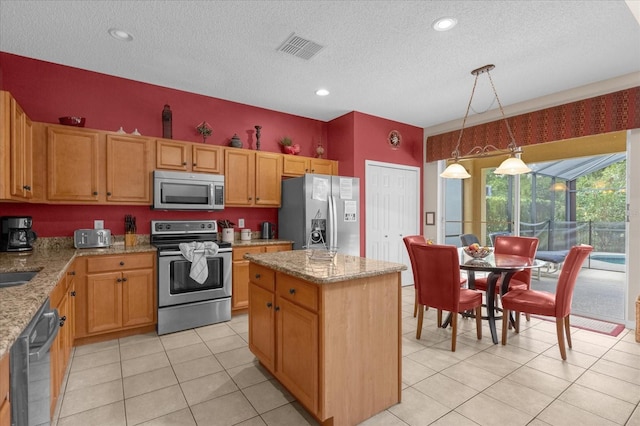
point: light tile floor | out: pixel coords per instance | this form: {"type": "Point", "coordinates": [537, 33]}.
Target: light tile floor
{"type": "Point", "coordinates": [208, 376]}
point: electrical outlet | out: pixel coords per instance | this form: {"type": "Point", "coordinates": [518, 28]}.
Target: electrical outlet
{"type": "Point", "coordinates": [240, 223]}
{"type": "Point", "coordinates": [98, 224]}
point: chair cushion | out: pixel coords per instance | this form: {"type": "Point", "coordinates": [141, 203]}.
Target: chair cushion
{"type": "Point", "coordinates": [553, 256]}
{"type": "Point", "coordinates": [469, 299]}
{"type": "Point", "coordinates": [530, 301]}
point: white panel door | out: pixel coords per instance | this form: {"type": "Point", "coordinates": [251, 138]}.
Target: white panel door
{"type": "Point", "coordinates": [392, 194]}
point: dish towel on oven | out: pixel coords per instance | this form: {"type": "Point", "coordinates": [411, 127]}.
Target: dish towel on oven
{"type": "Point", "coordinates": [196, 253]}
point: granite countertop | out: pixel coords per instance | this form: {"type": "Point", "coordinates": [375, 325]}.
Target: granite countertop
{"type": "Point", "coordinates": [259, 242]}
{"type": "Point", "coordinates": [18, 304]}
{"type": "Point", "coordinates": [341, 268]}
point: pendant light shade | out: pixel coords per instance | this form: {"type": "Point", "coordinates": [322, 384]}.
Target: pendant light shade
{"type": "Point", "coordinates": [511, 166]}
{"type": "Point", "coordinates": [455, 171]}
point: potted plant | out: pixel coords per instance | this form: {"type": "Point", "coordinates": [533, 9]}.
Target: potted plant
{"type": "Point", "coordinates": [227, 230]}
{"type": "Point", "coordinates": [288, 147]}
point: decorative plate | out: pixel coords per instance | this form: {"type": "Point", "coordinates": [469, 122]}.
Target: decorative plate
{"type": "Point", "coordinates": [395, 139]}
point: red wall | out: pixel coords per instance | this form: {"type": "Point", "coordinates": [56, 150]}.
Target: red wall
{"type": "Point", "coordinates": [47, 91]}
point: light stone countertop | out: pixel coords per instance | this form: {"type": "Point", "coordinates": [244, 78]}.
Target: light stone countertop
{"type": "Point", "coordinates": [20, 303]}
{"type": "Point", "coordinates": [259, 242]}
{"type": "Point", "coordinates": [341, 268]}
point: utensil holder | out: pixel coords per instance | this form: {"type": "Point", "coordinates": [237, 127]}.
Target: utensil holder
{"type": "Point", "coordinates": [227, 235]}
{"type": "Point", "coordinates": [130, 240]}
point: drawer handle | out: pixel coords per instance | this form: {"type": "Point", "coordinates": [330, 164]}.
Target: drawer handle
{"type": "Point", "coordinates": [269, 304]}
{"type": "Point", "coordinates": [292, 291]}
{"type": "Point", "coordinates": [122, 263]}
{"type": "Point", "coordinates": [257, 276]}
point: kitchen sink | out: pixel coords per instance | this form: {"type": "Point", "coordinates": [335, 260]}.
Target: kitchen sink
{"type": "Point", "coordinates": [10, 279]}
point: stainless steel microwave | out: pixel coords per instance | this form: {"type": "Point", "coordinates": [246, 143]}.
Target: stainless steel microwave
{"type": "Point", "coordinates": [187, 191]}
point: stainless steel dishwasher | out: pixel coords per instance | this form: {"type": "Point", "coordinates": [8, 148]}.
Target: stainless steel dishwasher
{"type": "Point", "coordinates": [30, 370]}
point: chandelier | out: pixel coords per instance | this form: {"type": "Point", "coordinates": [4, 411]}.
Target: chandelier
{"type": "Point", "coordinates": [511, 166]}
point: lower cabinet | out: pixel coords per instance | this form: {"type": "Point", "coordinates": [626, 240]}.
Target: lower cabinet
{"type": "Point", "coordinates": [240, 271]}
{"type": "Point", "coordinates": [62, 299]}
{"type": "Point", "coordinates": [119, 293]}
{"type": "Point", "coordinates": [334, 346]}
{"type": "Point", "coordinates": [5, 405]}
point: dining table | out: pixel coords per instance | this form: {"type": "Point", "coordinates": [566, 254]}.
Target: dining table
{"type": "Point", "coordinates": [497, 266]}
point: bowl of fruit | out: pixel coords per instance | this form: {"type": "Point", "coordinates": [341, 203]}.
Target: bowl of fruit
{"type": "Point", "coordinates": [477, 251]}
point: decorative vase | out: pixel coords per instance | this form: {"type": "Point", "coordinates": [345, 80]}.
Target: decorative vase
{"type": "Point", "coordinates": [227, 235]}
{"type": "Point", "coordinates": [235, 141]}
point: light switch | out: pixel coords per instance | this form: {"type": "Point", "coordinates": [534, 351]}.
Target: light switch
{"type": "Point", "coordinates": [98, 224]}
{"type": "Point", "coordinates": [240, 223]}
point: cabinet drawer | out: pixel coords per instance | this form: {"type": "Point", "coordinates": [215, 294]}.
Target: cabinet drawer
{"type": "Point", "coordinates": [122, 262]}
{"type": "Point", "coordinates": [239, 252]}
{"type": "Point", "coordinates": [298, 291]}
{"type": "Point", "coordinates": [264, 277]}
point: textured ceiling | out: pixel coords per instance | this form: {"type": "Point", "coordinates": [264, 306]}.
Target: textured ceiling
{"type": "Point", "coordinates": [380, 57]}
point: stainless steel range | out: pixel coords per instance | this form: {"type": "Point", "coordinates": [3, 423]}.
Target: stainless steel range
{"type": "Point", "coordinates": [183, 302]}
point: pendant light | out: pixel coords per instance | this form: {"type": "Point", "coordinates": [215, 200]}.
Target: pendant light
{"type": "Point", "coordinates": [511, 166]}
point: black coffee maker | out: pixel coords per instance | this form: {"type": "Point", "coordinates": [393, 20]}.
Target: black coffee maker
{"type": "Point", "coordinates": [16, 233]}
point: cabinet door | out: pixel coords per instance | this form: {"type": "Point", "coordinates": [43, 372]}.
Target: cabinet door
{"type": "Point", "coordinates": [262, 325]}
{"type": "Point", "coordinates": [240, 274]}
{"type": "Point", "coordinates": [294, 166]}
{"type": "Point", "coordinates": [72, 164]}
{"type": "Point", "coordinates": [21, 149]}
{"type": "Point", "coordinates": [171, 155]}
{"type": "Point", "coordinates": [321, 166]}
{"type": "Point", "coordinates": [104, 302]}
{"type": "Point", "coordinates": [206, 159]}
{"type": "Point", "coordinates": [268, 177]}
{"type": "Point", "coordinates": [239, 177]}
{"type": "Point", "coordinates": [128, 169]}
{"type": "Point", "coordinates": [5, 406]}
{"type": "Point", "coordinates": [138, 297]}
{"type": "Point", "coordinates": [297, 359]}
{"type": "Point", "coordinates": [58, 352]}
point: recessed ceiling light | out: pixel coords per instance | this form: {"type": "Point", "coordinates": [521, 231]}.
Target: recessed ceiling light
{"type": "Point", "coordinates": [120, 34]}
{"type": "Point", "coordinates": [322, 92]}
{"type": "Point", "coordinates": [444, 24]}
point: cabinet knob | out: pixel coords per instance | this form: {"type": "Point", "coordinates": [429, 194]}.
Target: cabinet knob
{"type": "Point", "coordinates": [306, 170]}
{"type": "Point", "coordinates": [184, 163]}
{"type": "Point", "coordinates": [26, 188]}
{"type": "Point", "coordinates": [62, 320]}
{"type": "Point", "coordinates": [250, 198]}
{"type": "Point", "coordinates": [122, 263]}
{"type": "Point", "coordinates": [269, 304]}
{"type": "Point", "coordinates": [313, 170]}
{"type": "Point", "coordinates": [257, 198]}
{"type": "Point", "coordinates": [73, 293]}
{"type": "Point", "coordinates": [277, 308]}
{"type": "Point", "coordinates": [194, 164]}
{"type": "Point", "coordinates": [292, 291]}
{"type": "Point", "coordinates": [95, 192]}
{"type": "Point", "coordinates": [109, 194]}
{"type": "Point", "coordinates": [257, 276]}
{"type": "Point", "coordinates": [124, 279]}
{"type": "Point", "coordinates": [119, 280]}
{"type": "Point", "coordinates": [72, 272]}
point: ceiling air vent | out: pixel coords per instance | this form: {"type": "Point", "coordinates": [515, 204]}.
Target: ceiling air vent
{"type": "Point", "coordinates": [300, 47]}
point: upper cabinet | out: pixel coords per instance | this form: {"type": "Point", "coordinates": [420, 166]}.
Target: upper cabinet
{"type": "Point", "coordinates": [252, 178]}
{"type": "Point", "coordinates": [188, 157]}
{"type": "Point", "coordinates": [96, 167]}
{"type": "Point", "coordinates": [293, 165]}
{"type": "Point", "coordinates": [16, 150]}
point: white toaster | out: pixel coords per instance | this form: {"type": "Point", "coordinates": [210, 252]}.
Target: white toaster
{"type": "Point", "coordinates": [91, 238]}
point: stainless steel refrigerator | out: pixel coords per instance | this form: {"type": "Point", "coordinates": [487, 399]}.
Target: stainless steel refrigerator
{"type": "Point", "coordinates": [321, 210]}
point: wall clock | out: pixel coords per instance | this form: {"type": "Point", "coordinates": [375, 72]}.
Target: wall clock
{"type": "Point", "coordinates": [394, 139]}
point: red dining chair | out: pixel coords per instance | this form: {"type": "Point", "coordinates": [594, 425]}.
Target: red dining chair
{"type": "Point", "coordinates": [556, 305]}
{"type": "Point", "coordinates": [438, 286]}
{"type": "Point", "coordinates": [418, 239]}
{"type": "Point", "coordinates": [519, 246]}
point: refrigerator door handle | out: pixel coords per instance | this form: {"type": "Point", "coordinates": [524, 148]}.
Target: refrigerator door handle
{"type": "Point", "coordinates": [334, 222]}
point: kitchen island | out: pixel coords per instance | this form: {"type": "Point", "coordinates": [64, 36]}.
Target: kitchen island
{"type": "Point", "coordinates": [329, 331]}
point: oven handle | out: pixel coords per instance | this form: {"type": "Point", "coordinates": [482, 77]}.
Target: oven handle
{"type": "Point", "coordinates": [179, 253]}
{"type": "Point", "coordinates": [52, 332]}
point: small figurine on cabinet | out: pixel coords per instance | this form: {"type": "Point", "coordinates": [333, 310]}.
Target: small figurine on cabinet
{"type": "Point", "coordinates": [167, 132]}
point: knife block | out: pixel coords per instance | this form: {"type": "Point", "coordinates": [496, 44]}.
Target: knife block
{"type": "Point", "coordinates": [130, 240]}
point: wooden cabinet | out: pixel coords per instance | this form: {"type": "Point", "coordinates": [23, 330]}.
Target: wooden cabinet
{"type": "Point", "coordinates": [62, 299]}
{"type": "Point", "coordinates": [252, 179]}
{"type": "Point", "coordinates": [240, 272]}
{"type": "Point", "coordinates": [87, 166]}
{"type": "Point", "coordinates": [16, 150]}
{"type": "Point", "coordinates": [336, 347]}
{"type": "Point", "coordinates": [293, 165]}
{"type": "Point", "coordinates": [128, 169]}
{"type": "Point", "coordinates": [188, 157]}
{"type": "Point", "coordinates": [5, 405]}
{"type": "Point", "coordinates": [117, 293]}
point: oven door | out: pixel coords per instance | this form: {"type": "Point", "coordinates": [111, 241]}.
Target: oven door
{"type": "Point", "coordinates": [175, 287]}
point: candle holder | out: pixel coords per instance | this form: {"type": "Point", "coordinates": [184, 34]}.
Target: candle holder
{"type": "Point", "coordinates": [258, 137]}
